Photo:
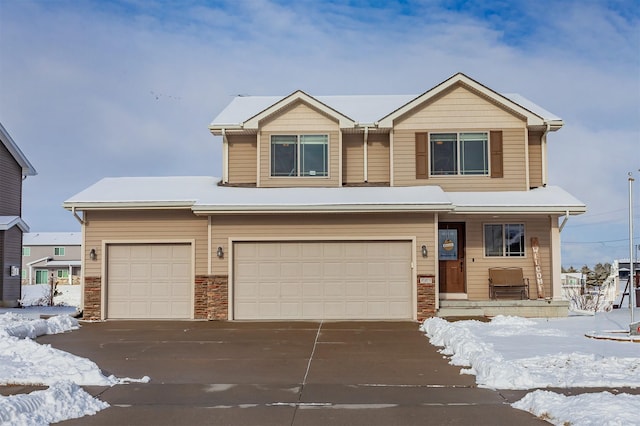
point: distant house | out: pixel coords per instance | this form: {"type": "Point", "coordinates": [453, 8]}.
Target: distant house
{"type": "Point", "coordinates": [14, 168]}
{"type": "Point", "coordinates": [51, 255]}
{"type": "Point", "coordinates": [339, 208]}
{"type": "Point", "coordinates": [572, 284]}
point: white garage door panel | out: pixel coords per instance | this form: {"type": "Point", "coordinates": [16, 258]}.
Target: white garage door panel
{"type": "Point", "coordinates": [149, 281]}
{"type": "Point", "coordinates": [323, 280]}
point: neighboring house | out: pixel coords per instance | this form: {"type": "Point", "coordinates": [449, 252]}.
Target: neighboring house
{"type": "Point", "coordinates": [14, 168]}
{"type": "Point", "coordinates": [624, 279]}
{"type": "Point", "coordinates": [573, 284]}
{"type": "Point", "coordinates": [51, 256]}
{"type": "Point", "coordinates": [337, 207]}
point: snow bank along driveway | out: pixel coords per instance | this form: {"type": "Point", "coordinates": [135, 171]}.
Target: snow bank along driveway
{"type": "Point", "coordinates": [520, 353]}
{"type": "Point", "coordinates": [26, 362]}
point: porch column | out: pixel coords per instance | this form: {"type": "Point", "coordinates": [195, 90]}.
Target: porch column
{"type": "Point", "coordinates": [556, 260]}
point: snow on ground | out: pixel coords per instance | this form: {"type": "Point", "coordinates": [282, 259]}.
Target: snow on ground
{"type": "Point", "coordinates": [522, 353]}
{"type": "Point", "coordinates": [506, 353]}
{"type": "Point", "coordinates": [26, 362]}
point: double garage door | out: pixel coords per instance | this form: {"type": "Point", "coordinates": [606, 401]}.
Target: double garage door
{"type": "Point", "coordinates": [151, 281]}
{"type": "Point", "coordinates": [322, 280]}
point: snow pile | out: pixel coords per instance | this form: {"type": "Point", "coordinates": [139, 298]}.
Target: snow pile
{"type": "Point", "coordinates": [589, 409]}
{"type": "Point", "coordinates": [520, 353]}
{"type": "Point", "coordinates": [62, 401]}
{"type": "Point", "coordinates": [26, 362]}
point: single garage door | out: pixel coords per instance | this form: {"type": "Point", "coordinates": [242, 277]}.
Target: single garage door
{"type": "Point", "coordinates": [151, 281]}
{"type": "Point", "coordinates": [322, 280]}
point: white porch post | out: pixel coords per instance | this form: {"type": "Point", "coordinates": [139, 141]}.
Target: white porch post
{"type": "Point", "coordinates": [556, 260]}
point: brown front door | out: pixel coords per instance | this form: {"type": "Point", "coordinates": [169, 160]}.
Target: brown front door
{"type": "Point", "coordinates": [451, 257]}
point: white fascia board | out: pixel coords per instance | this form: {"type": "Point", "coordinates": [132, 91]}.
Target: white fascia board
{"type": "Point", "coordinates": [532, 119]}
{"type": "Point", "coordinates": [218, 128]}
{"type": "Point", "coordinates": [360, 208]}
{"type": "Point", "coordinates": [572, 210]}
{"type": "Point", "coordinates": [132, 205]}
{"type": "Point", "coordinates": [299, 95]}
{"type": "Point", "coordinates": [8, 222]}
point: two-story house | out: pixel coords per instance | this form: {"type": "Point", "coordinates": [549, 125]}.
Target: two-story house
{"type": "Point", "coordinates": [14, 168]}
{"type": "Point", "coordinates": [337, 207]}
{"type": "Point", "coordinates": [51, 257]}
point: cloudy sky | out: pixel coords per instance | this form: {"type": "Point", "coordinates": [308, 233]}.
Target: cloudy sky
{"type": "Point", "coordinates": [90, 89]}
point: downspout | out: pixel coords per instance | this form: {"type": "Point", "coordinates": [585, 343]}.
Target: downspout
{"type": "Point", "coordinates": [543, 160]}
{"type": "Point", "coordinates": [366, 153]}
{"type": "Point", "coordinates": [225, 157]}
{"type": "Point", "coordinates": [564, 221]}
{"type": "Point", "coordinates": [78, 218]}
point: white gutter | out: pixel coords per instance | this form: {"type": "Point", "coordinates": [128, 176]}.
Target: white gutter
{"type": "Point", "coordinates": [203, 210]}
{"type": "Point", "coordinates": [543, 141]}
{"type": "Point", "coordinates": [564, 221]}
{"type": "Point", "coordinates": [97, 205]}
{"type": "Point", "coordinates": [78, 218]}
{"type": "Point", "coordinates": [366, 154]}
{"type": "Point", "coordinates": [225, 157]}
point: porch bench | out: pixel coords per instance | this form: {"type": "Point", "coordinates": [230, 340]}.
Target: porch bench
{"type": "Point", "coordinates": [508, 281]}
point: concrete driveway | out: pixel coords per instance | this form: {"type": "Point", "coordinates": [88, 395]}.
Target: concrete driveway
{"type": "Point", "coordinates": [280, 373]}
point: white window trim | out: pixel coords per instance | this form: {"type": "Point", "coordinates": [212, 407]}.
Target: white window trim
{"type": "Point", "coordinates": [26, 251]}
{"type": "Point", "coordinates": [297, 135]}
{"type": "Point", "coordinates": [458, 160]}
{"type": "Point", "coordinates": [61, 251]}
{"type": "Point", "coordinates": [504, 256]}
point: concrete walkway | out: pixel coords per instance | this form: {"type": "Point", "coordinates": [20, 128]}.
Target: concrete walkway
{"type": "Point", "coordinates": [280, 373]}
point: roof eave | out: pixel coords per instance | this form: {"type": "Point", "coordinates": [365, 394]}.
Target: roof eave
{"type": "Point", "coordinates": [314, 208]}
{"type": "Point", "coordinates": [127, 205]}
{"type": "Point", "coordinates": [560, 210]}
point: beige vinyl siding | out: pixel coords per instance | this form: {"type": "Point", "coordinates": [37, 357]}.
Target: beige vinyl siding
{"type": "Point", "coordinates": [242, 159]}
{"type": "Point", "coordinates": [325, 227]}
{"type": "Point", "coordinates": [378, 158]}
{"type": "Point", "coordinates": [535, 159]}
{"type": "Point", "coordinates": [143, 226]}
{"type": "Point", "coordinates": [353, 158]}
{"type": "Point", "coordinates": [298, 119]}
{"type": "Point", "coordinates": [10, 184]}
{"type": "Point", "coordinates": [461, 110]}
{"type": "Point", "coordinates": [477, 265]}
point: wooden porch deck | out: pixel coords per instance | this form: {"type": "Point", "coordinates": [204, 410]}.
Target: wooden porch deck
{"type": "Point", "coordinates": [544, 308]}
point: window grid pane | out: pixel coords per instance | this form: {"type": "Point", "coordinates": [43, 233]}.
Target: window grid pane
{"type": "Point", "coordinates": [58, 251]}
{"type": "Point", "coordinates": [444, 154]}
{"type": "Point", "coordinates": [314, 155]}
{"type": "Point", "coordinates": [514, 244]}
{"type": "Point", "coordinates": [493, 240]}
{"type": "Point", "coordinates": [284, 153]}
{"type": "Point", "coordinates": [474, 159]}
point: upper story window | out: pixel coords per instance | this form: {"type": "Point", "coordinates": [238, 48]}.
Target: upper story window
{"type": "Point", "coordinates": [459, 153]}
{"type": "Point", "coordinates": [58, 251]}
{"type": "Point", "coordinates": [504, 240]}
{"type": "Point", "coordinates": [26, 251]}
{"type": "Point", "coordinates": [299, 155]}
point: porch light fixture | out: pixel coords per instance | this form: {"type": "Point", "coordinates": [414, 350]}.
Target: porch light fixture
{"type": "Point", "coordinates": [93, 255]}
{"type": "Point", "coordinates": [424, 251]}
{"type": "Point", "coordinates": [220, 253]}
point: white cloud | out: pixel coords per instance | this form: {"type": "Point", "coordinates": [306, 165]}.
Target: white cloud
{"type": "Point", "coordinates": [128, 88]}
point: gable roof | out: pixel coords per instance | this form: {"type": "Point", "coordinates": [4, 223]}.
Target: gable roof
{"type": "Point", "coordinates": [8, 222]}
{"type": "Point", "coordinates": [534, 115]}
{"type": "Point", "coordinates": [245, 112]}
{"type": "Point", "coordinates": [16, 153]}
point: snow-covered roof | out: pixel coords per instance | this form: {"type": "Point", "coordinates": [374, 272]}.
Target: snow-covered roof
{"type": "Point", "coordinates": [371, 109]}
{"type": "Point", "coordinates": [65, 263]}
{"type": "Point", "coordinates": [52, 239]}
{"type": "Point", "coordinates": [16, 153]}
{"type": "Point", "coordinates": [8, 222]}
{"type": "Point", "coordinates": [360, 108]}
{"type": "Point", "coordinates": [548, 199]}
{"type": "Point", "coordinates": [203, 195]}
